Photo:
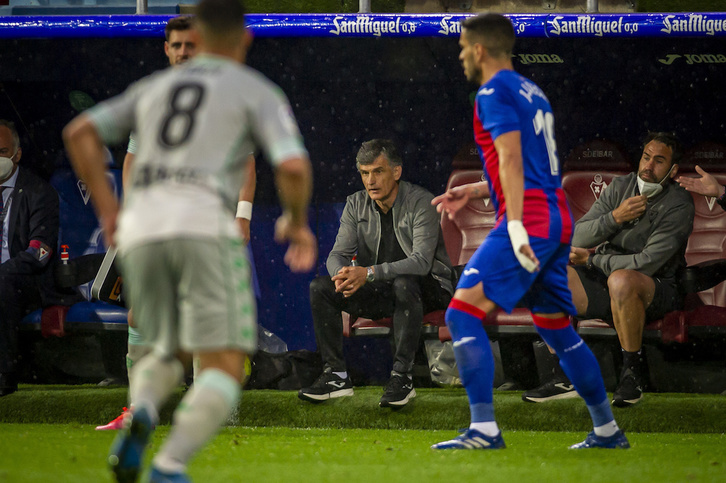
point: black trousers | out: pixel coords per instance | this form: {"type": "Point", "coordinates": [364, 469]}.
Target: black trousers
{"type": "Point", "coordinates": [19, 295]}
{"type": "Point", "coordinates": [406, 298]}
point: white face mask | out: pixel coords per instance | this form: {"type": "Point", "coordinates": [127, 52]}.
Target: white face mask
{"type": "Point", "coordinates": [6, 166]}
{"type": "Point", "coordinates": [651, 189]}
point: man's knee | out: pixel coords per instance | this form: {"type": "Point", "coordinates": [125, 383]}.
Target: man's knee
{"type": "Point", "coordinates": [626, 284]}
{"type": "Point", "coordinates": [407, 288]}
{"type": "Point", "coordinates": [321, 286]}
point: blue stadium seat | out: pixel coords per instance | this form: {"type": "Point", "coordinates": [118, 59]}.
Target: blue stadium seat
{"type": "Point", "coordinates": [79, 229]}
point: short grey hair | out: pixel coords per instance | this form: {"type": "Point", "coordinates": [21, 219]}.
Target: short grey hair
{"type": "Point", "coordinates": [370, 150]}
{"type": "Point", "coordinates": [11, 125]}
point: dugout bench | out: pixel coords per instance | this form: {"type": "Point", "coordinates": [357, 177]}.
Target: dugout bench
{"type": "Point", "coordinates": [589, 169]}
{"type": "Point", "coordinates": [80, 233]}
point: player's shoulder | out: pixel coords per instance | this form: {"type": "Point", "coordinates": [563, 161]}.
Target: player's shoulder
{"type": "Point", "coordinates": [252, 78]}
{"type": "Point", "coordinates": [503, 83]}
{"type": "Point", "coordinates": [506, 78]}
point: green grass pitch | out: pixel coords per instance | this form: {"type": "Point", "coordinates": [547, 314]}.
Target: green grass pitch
{"type": "Point", "coordinates": [76, 453]}
{"type": "Point", "coordinates": [47, 435]}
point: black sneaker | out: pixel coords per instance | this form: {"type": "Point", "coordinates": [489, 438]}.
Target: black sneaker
{"type": "Point", "coordinates": [327, 386]}
{"type": "Point", "coordinates": [549, 391]}
{"type": "Point", "coordinates": [629, 391]}
{"type": "Point", "coordinates": [398, 391]}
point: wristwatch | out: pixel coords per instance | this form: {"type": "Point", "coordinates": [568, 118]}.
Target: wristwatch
{"type": "Point", "coordinates": [370, 272]}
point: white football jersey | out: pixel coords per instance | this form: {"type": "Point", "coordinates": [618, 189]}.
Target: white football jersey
{"type": "Point", "coordinates": [194, 125]}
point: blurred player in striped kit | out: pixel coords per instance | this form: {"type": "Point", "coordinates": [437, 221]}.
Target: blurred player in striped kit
{"type": "Point", "coordinates": [524, 257]}
{"type": "Point", "coordinates": [179, 47]}
{"type": "Point", "coordinates": [182, 254]}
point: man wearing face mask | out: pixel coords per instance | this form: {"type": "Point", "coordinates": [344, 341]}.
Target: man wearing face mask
{"type": "Point", "coordinates": [639, 228]}
{"type": "Point", "coordinates": [29, 235]}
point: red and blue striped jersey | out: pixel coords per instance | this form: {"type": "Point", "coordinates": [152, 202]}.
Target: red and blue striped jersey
{"type": "Point", "coordinates": [511, 102]}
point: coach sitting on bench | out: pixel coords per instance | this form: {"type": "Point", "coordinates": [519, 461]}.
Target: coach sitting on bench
{"type": "Point", "coordinates": [29, 235]}
{"type": "Point", "coordinates": [404, 270]}
{"type": "Point", "coordinates": [640, 226]}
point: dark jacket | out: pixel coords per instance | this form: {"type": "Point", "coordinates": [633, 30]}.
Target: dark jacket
{"type": "Point", "coordinates": [418, 230]}
{"type": "Point", "coordinates": [33, 231]}
{"type": "Point", "coordinates": [654, 244]}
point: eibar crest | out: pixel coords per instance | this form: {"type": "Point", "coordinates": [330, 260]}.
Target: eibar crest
{"type": "Point", "coordinates": [598, 186]}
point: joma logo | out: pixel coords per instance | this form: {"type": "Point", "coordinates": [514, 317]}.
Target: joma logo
{"type": "Point", "coordinates": [540, 59]}
{"type": "Point", "coordinates": [694, 59]}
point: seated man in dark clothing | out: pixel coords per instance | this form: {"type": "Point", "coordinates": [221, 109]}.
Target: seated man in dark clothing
{"type": "Point", "coordinates": [640, 226]}
{"type": "Point", "coordinates": [29, 234]}
{"type": "Point", "coordinates": [402, 271]}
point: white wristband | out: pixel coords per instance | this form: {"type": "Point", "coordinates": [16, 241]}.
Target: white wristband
{"type": "Point", "coordinates": [518, 236]}
{"type": "Point", "coordinates": [244, 210]}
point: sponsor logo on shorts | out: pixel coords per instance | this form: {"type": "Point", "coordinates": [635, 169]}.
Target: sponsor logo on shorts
{"type": "Point", "coordinates": [464, 340]}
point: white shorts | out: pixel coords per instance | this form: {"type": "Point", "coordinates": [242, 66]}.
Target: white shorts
{"type": "Point", "coordinates": [192, 294]}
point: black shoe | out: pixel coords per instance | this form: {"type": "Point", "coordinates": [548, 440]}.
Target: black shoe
{"type": "Point", "coordinates": [327, 386]}
{"type": "Point", "coordinates": [549, 391]}
{"type": "Point", "coordinates": [8, 384]}
{"type": "Point", "coordinates": [629, 391]}
{"type": "Point", "coordinates": [112, 381]}
{"type": "Point", "coordinates": [398, 392]}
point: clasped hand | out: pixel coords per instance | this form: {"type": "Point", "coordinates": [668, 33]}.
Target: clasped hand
{"type": "Point", "coordinates": [349, 279]}
{"type": "Point", "coordinates": [579, 256]}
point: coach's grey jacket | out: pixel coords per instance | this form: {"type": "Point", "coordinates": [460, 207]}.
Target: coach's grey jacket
{"type": "Point", "coordinates": [418, 231]}
{"type": "Point", "coordinates": [654, 244]}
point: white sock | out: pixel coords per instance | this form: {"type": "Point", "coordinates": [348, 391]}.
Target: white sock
{"type": "Point", "coordinates": [197, 418]}
{"type": "Point", "coordinates": [153, 381]}
{"type": "Point", "coordinates": [134, 355]}
{"type": "Point", "coordinates": [489, 428]}
{"type": "Point", "coordinates": [341, 375]}
{"type": "Point", "coordinates": [607, 429]}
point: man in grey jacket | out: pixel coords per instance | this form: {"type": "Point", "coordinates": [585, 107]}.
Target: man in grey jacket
{"type": "Point", "coordinates": [640, 226]}
{"type": "Point", "coordinates": [393, 233]}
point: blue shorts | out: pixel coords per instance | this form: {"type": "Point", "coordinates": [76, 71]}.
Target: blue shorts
{"type": "Point", "coordinates": [506, 283]}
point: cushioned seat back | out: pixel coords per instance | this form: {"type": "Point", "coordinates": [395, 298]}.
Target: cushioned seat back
{"type": "Point", "coordinates": [708, 239]}
{"type": "Point", "coordinates": [583, 188]}
{"type": "Point", "coordinates": [78, 223]}
{"type": "Point", "coordinates": [471, 224]}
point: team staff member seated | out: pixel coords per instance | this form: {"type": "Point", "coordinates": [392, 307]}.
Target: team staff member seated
{"type": "Point", "coordinates": [29, 235]}
{"type": "Point", "coordinates": [404, 271]}
{"type": "Point", "coordinates": [640, 226]}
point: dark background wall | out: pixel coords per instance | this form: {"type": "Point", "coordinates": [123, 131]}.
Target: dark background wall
{"type": "Point", "coordinates": [345, 91]}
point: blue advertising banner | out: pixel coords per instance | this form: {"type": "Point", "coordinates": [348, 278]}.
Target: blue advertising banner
{"type": "Point", "coordinates": [379, 25]}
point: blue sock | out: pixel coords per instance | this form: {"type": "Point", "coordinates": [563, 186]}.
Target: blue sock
{"type": "Point", "coordinates": [581, 367]}
{"type": "Point", "coordinates": [474, 357]}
